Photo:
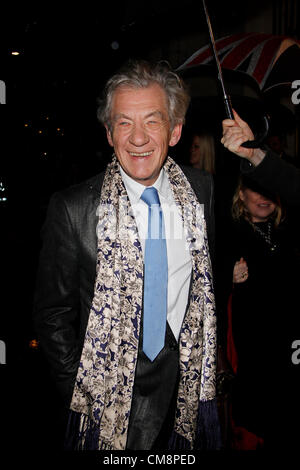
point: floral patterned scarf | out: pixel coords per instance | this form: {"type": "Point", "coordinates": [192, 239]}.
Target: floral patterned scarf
{"type": "Point", "coordinates": [103, 390]}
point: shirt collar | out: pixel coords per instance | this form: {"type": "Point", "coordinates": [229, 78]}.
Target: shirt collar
{"type": "Point", "coordinates": [135, 189]}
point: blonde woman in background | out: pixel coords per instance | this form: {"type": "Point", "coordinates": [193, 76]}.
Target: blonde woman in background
{"type": "Point", "coordinates": [202, 152]}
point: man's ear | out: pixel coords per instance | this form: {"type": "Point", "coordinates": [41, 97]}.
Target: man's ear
{"type": "Point", "coordinates": [109, 136]}
{"type": "Point", "coordinates": [175, 135]}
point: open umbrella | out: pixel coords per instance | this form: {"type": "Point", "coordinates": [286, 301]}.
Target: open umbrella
{"type": "Point", "coordinates": [271, 60]}
{"type": "Point", "coordinates": [256, 52]}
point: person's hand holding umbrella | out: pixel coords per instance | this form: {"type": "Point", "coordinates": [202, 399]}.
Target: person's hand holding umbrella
{"type": "Point", "coordinates": [235, 133]}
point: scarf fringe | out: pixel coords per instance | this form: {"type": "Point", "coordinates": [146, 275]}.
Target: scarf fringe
{"type": "Point", "coordinates": [177, 442]}
{"type": "Point", "coordinates": [83, 434]}
{"type": "Point", "coordinates": [208, 434]}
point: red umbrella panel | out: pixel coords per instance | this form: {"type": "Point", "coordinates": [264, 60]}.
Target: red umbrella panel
{"type": "Point", "coordinates": [256, 54]}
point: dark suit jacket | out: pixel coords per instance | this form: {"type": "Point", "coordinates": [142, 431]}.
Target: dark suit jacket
{"type": "Point", "coordinates": [67, 270]}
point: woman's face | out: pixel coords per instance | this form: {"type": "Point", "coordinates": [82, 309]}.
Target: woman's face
{"type": "Point", "coordinates": [259, 207]}
{"type": "Point", "coordinates": [195, 150]}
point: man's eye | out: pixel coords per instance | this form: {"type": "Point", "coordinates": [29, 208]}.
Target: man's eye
{"type": "Point", "coordinates": [124, 123]}
{"type": "Point", "coordinates": [154, 124]}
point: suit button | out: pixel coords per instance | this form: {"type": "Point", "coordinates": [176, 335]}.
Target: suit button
{"type": "Point", "coordinates": [173, 346]}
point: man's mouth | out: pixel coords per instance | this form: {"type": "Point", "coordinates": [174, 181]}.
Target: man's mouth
{"type": "Point", "coordinates": [142, 154]}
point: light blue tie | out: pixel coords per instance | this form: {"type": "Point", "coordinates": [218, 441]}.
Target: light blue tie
{"type": "Point", "coordinates": [155, 278]}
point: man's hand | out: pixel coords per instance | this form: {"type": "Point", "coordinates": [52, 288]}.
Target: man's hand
{"type": "Point", "coordinates": [235, 133]}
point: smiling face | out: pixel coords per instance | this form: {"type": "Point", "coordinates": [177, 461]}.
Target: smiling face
{"type": "Point", "coordinates": [141, 132]}
{"type": "Point", "coordinates": [258, 206]}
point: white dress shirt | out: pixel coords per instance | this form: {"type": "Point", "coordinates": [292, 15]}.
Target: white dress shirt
{"type": "Point", "coordinates": [179, 259]}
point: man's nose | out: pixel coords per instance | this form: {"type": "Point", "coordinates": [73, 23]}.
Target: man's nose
{"type": "Point", "coordinates": [138, 136]}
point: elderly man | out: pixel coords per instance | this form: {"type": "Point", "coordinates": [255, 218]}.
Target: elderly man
{"type": "Point", "coordinates": [124, 304]}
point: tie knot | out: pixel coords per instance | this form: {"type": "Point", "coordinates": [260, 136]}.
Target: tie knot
{"type": "Point", "coordinates": [150, 196]}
